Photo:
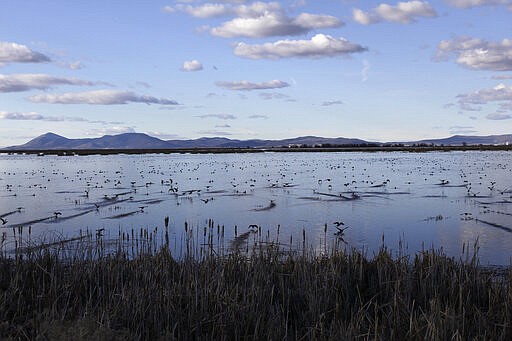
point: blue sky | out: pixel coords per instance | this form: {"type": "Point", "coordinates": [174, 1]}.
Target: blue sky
{"type": "Point", "coordinates": [380, 71]}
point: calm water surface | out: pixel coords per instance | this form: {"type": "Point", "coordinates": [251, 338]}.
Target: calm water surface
{"type": "Point", "coordinates": [440, 199]}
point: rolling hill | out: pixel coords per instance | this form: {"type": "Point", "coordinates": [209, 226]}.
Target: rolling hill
{"type": "Point", "coordinates": [51, 141]}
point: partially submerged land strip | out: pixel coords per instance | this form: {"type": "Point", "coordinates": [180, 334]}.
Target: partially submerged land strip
{"type": "Point", "coordinates": [227, 150]}
{"type": "Point", "coordinates": [266, 294]}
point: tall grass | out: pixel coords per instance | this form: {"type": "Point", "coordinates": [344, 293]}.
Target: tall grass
{"type": "Point", "coordinates": [52, 291]}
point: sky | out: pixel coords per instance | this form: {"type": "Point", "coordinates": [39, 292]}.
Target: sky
{"type": "Point", "coordinates": [379, 71]}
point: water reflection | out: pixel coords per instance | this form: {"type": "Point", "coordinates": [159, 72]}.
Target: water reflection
{"type": "Point", "coordinates": [440, 199]}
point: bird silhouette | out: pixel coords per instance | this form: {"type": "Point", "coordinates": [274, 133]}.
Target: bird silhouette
{"type": "Point", "coordinates": [3, 221]}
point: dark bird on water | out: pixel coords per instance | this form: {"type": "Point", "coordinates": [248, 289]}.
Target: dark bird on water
{"type": "Point", "coordinates": [338, 223]}
{"type": "Point", "coordinates": [3, 221]}
{"type": "Point", "coordinates": [57, 214]}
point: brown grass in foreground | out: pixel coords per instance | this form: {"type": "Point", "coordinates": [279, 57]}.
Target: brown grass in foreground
{"type": "Point", "coordinates": [90, 294]}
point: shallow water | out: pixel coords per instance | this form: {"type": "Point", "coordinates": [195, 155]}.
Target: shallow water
{"type": "Point", "coordinates": [440, 199]}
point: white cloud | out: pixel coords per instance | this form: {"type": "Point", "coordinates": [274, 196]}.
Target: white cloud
{"type": "Point", "coordinates": [317, 47]}
{"type": "Point", "coordinates": [25, 82]}
{"type": "Point", "coordinates": [219, 116]}
{"type": "Point", "coordinates": [16, 53]}
{"type": "Point", "coordinates": [248, 86]}
{"type": "Point", "coordinates": [403, 13]}
{"type": "Point", "coordinates": [500, 94]}
{"type": "Point", "coordinates": [363, 17]}
{"type": "Point", "coordinates": [475, 3]}
{"type": "Point", "coordinates": [274, 24]}
{"type": "Point", "coordinates": [162, 136]}
{"type": "Point", "coordinates": [21, 116]}
{"type": "Point", "coordinates": [74, 65]}
{"type": "Point", "coordinates": [213, 10]}
{"type": "Point", "coordinates": [100, 97]}
{"type": "Point", "coordinates": [256, 20]}
{"type": "Point", "coordinates": [192, 65]}
{"type": "Point", "coordinates": [203, 11]}
{"type": "Point", "coordinates": [478, 54]}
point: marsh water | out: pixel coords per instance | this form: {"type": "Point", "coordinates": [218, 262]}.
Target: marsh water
{"type": "Point", "coordinates": [436, 199]}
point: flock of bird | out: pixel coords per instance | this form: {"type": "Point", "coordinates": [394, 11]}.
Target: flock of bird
{"type": "Point", "coordinates": [289, 189]}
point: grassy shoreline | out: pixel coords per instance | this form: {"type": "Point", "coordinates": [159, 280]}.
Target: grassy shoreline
{"type": "Point", "coordinates": [228, 150]}
{"type": "Point", "coordinates": [50, 293]}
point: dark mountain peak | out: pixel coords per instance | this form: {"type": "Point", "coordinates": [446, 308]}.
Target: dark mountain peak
{"type": "Point", "coordinates": [46, 141]}
{"type": "Point", "coordinates": [50, 135]}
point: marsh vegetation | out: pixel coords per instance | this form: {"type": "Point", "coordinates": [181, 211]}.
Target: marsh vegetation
{"type": "Point", "coordinates": [92, 288]}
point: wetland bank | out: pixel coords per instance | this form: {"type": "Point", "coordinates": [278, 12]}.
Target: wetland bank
{"type": "Point", "coordinates": [231, 246]}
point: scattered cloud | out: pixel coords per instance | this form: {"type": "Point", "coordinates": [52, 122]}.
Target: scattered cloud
{"type": "Point", "coordinates": [330, 103]}
{"type": "Point", "coordinates": [273, 95]}
{"type": "Point", "coordinates": [256, 20]}
{"type": "Point", "coordinates": [477, 54]}
{"type": "Point", "coordinates": [319, 46]}
{"type": "Point", "coordinates": [212, 95]}
{"type": "Point", "coordinates": [35, 116]}
{"type": "Point", "coordinates": [26, 82]}
{"type": "Point", "coordinates": [222, 126]}
{"type": "Point", "coordinates": [115, 130]}
{"type": "Point", "coordinates": [500, 94]}
{"type": "Point", "coordinates": [17, 53]}
{"type": "Point", "coordinates": [162, 136]}
{"type": "Point", "coordinates": [214, 132]}
{"type": "Point", "coordinates": [71, 65]}
{"type": "Point", "coordinates": [27, 116]}
{"type": "Point", "coordinates": [402, 13]}
{"type": "Point", "coordinates": [502, 77]}
{"type": "Point", "coordinates": [192, 65]}
{"type": "Point", "coordinates": [248, 86]}
{"type": "Point", "coordinates": [143, 84]}
{"type": "Point", "coordinates": [475, 3]}
{"type": "Point", "coordinates": [365, 71]}
{"type": "Point", "coordinates": [100, 97]}
{"type": "Point", "coordinates": [462, 130]}
{"type": "Point", "coordinates": [254, 117]}
{"type": "Point", "coordinates": [497, 116]}
{"type": "Point", "coordinates": [219, 116]}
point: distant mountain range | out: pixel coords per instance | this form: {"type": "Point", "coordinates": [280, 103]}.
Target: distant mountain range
{"type": "Point", "coordinates": [50, 141]}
